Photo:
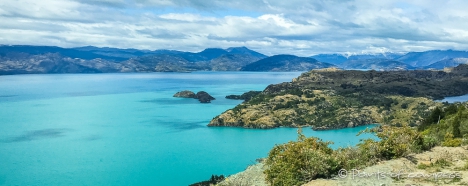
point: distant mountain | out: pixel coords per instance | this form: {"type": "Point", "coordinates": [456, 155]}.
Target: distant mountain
{"type": "Point", "coordinates": [286, 63]}
{"type": "Point", "coordinates": [423, 59]}
{"type": "Point", "coordinates": [232, 62]}
{"type": "Point", "coordinates": [117, 52]}
{"type": "Point", "coordinates": [452, 62]}
{"type": "Point", "coordinates": [20, 59]}
{"type": "Point", "coordinates": [376, 64]}
{"type": "Point", "coordinates": [164, 63]}
{"type": "Point", "coordinates": [338, 59]}
{"type": "Point", "coordinates": [67, 52]}
{"type": "Point", "coordinates": [21, 63]}
{"type": "Point", "coordinates": [335, 59]}
{"type": "Point", "coordinates": [245, 51]}
{"type": "Point", "coordinates": [387, 55]}
{"type": "Point", "coordinates": [212, 53]}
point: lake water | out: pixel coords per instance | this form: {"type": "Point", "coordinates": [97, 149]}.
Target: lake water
{"type": "Point", "coordinates": [127, 129]}
{"type": "Point", "coordinates": [455, 99]}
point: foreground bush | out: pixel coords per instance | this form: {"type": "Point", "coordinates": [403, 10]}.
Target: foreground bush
{"type": "Point", "coordinates": [451, 131]}
{"type": "Point", "coordinates": [295, 163]}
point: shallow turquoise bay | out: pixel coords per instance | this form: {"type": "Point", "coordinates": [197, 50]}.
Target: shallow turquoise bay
{"type": "Point", "coordinates": [127, 129]}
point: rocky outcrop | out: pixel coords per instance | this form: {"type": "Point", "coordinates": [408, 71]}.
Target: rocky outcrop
{"type": "Point", "coordinates": [185, 94]}
{"type": "Point", "coordinates": [202, 96]}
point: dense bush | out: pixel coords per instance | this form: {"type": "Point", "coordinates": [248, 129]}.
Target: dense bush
{"type": "Point", "coordinates": [295, 163]}
{"type": "Point", "coordinates": [394, 142]}
{"type": "Point", "coordinates": [450, 131]}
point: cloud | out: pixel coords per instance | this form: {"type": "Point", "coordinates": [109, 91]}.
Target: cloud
{"type": "Point", "coordinates": [298, 27]}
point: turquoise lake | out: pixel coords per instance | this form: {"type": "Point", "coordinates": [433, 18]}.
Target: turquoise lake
{"type": "Point", "coordinates": [127, 129]}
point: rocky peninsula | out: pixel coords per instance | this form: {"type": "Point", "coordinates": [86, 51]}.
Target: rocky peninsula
{"type": "Point", "coordinates": [332, 98]}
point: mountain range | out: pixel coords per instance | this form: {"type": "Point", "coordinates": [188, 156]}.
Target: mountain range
{"type": "Point", "coordinates": [433, 59]}
{"type": "Point", "coordinates": [24, 59]}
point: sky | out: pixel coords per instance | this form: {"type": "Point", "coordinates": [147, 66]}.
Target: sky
{"type": "Point", "coordinates": [299, 27]}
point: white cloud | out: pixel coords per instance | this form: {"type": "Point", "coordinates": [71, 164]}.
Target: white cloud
{"type": "Point", "coordinates": [298, 27]}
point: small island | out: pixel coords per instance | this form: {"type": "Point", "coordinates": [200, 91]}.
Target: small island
{"type": "Point", "coordinates": [202, 96]}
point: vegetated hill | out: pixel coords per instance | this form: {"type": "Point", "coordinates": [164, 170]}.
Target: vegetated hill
{"type": "Point", "coordinates": [376, 64]}
{"type": "Point", "coordinates": [452, 62]}
{"type": "Point", "coordinates": [286, 63]}
{"type": "Point", "coordinates": [331, 98]}
{"type": "Point", "coordinates": [422, 59]}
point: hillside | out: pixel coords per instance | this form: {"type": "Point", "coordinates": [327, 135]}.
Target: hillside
{"type": "Point", "coordinates": [285, 63]}
{"type": "Point", "coordinates": [328, 99]}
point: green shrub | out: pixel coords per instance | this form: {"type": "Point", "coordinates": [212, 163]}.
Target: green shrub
{"type": "Point", "coordinates": [429, 140]}
{"type": "Point", "coordinates": [465, 167]}
{"type": "Point", "coordinates": [449, 141]}
{"type": "Point", "coordinates": [354, 158]}
{"type": "Point", "coordinates": [296, 163]}
{"type": "Point", "coordinates": [394, 142]}
{"type": "Point", "coordinates": [442, 163]}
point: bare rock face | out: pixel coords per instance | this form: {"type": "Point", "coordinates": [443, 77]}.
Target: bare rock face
{"type": "Point", "coordinates": [185, 94]}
